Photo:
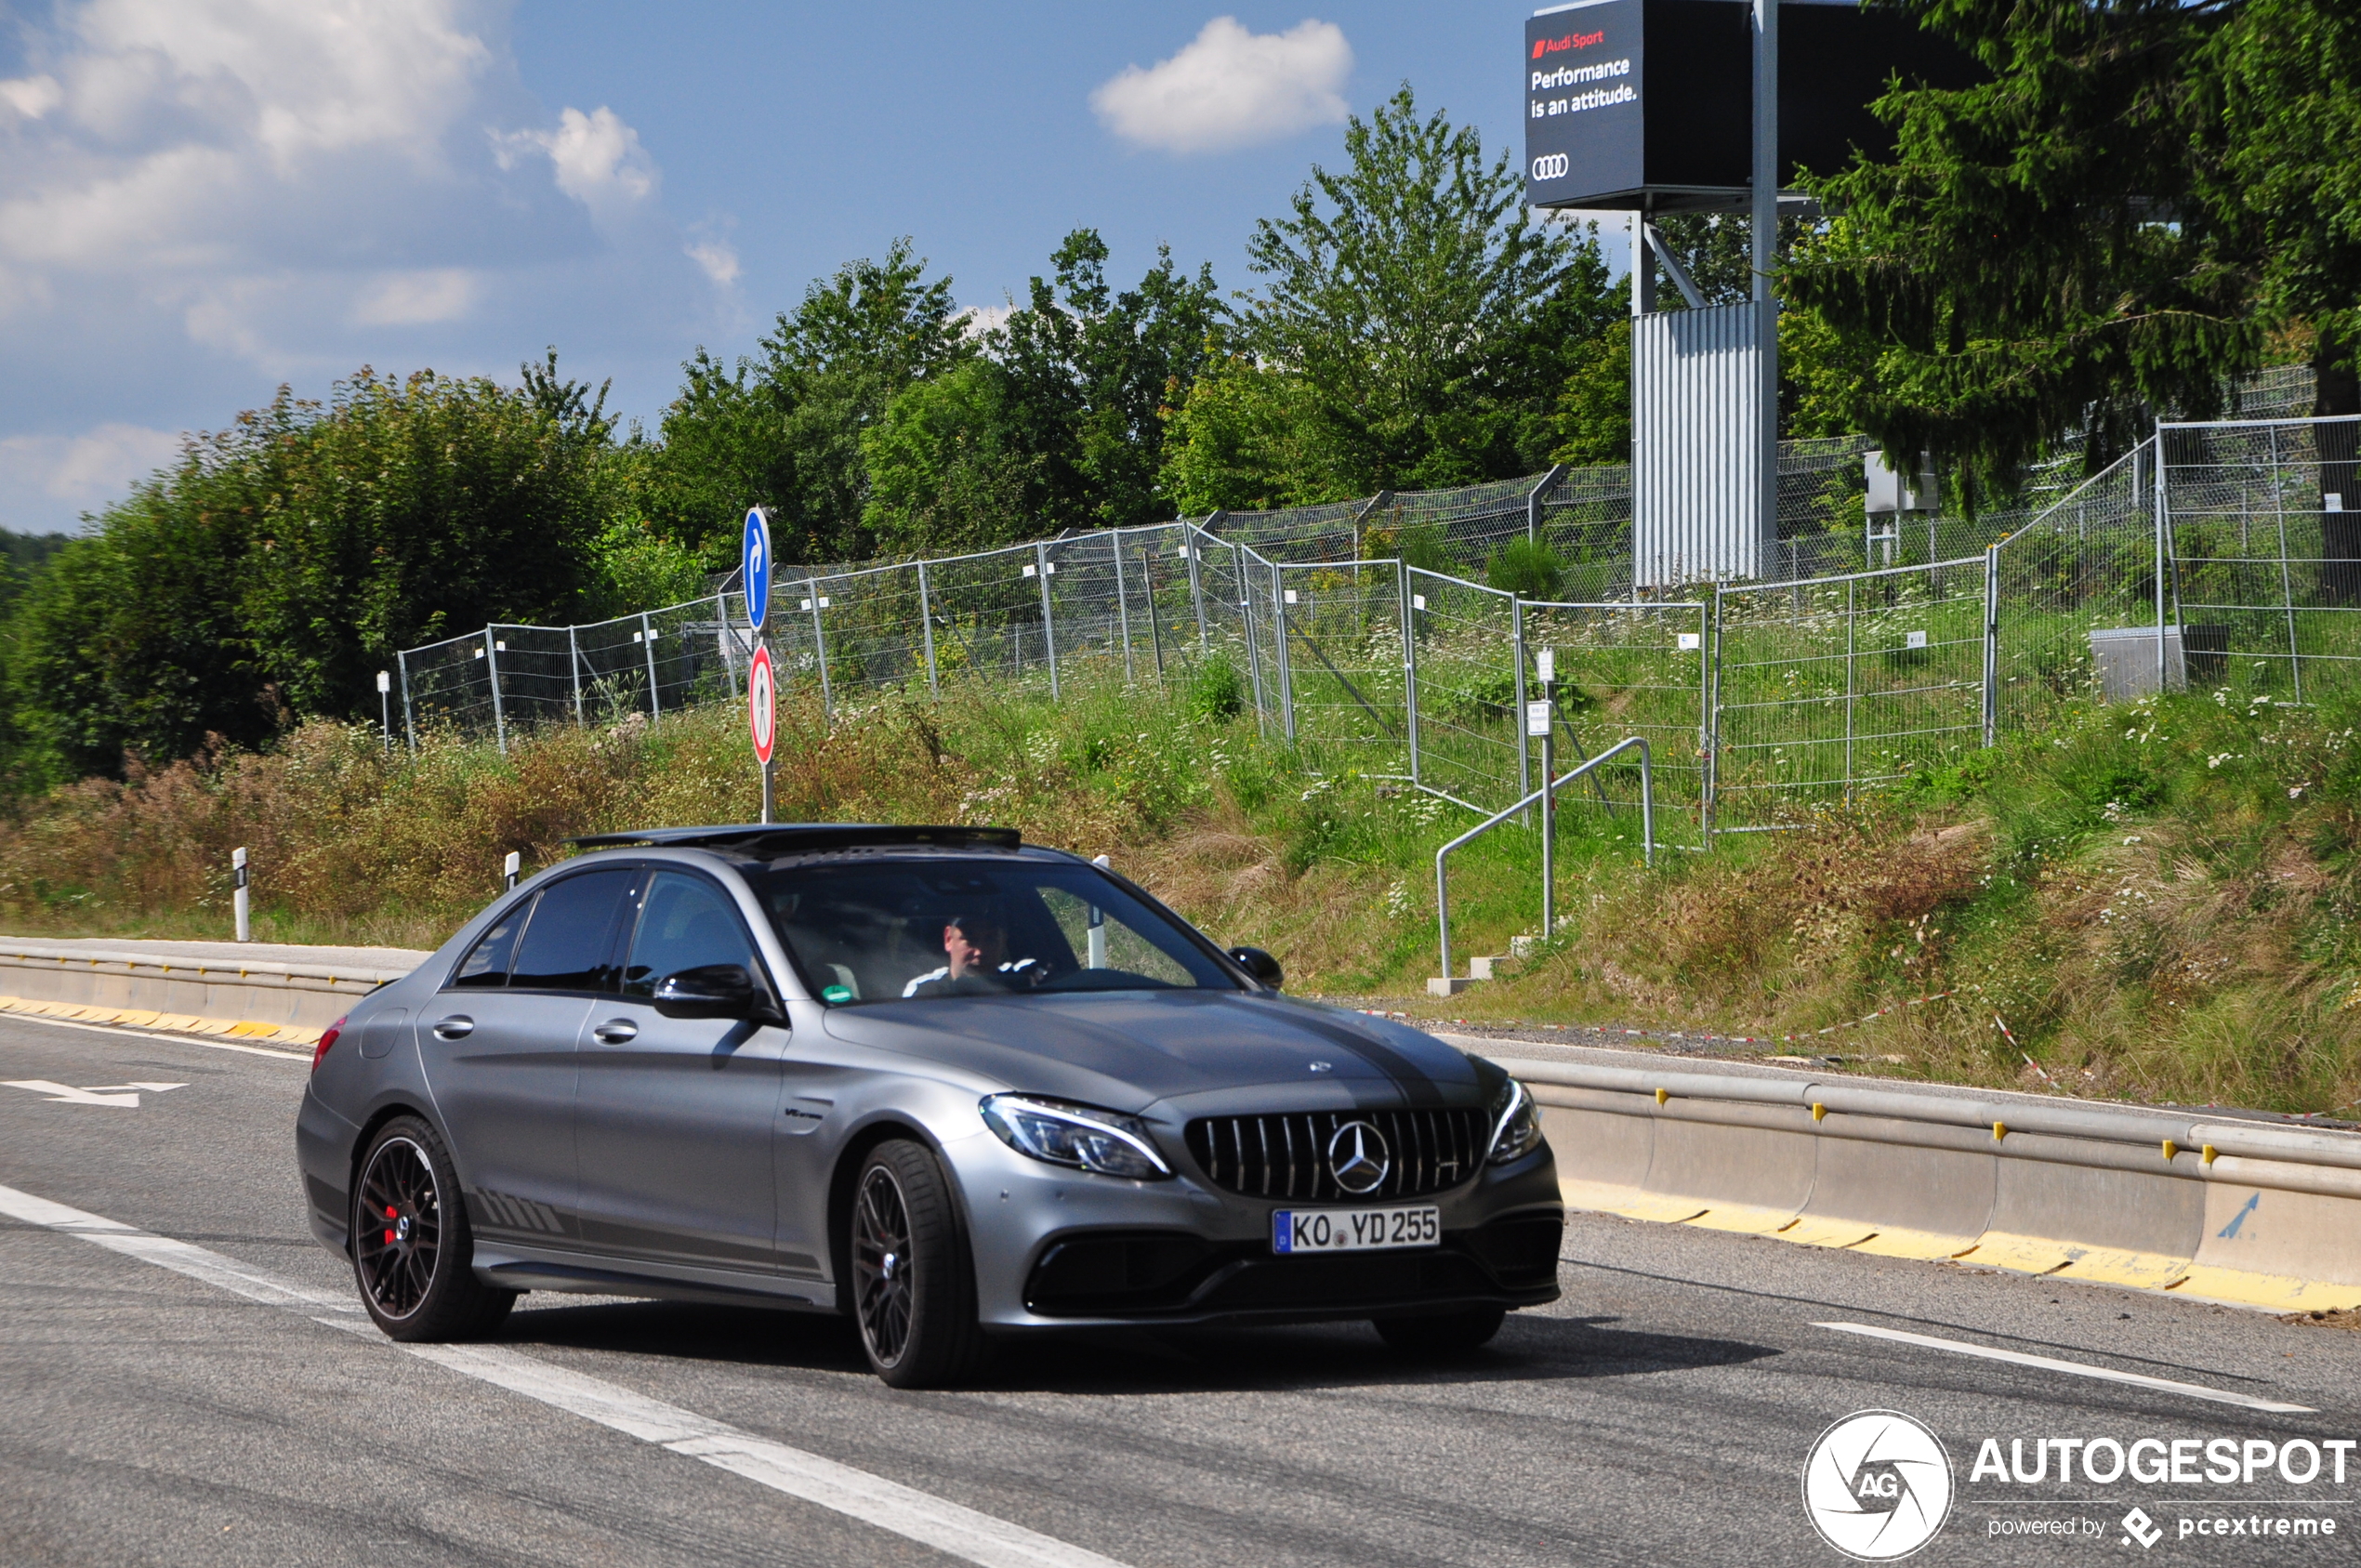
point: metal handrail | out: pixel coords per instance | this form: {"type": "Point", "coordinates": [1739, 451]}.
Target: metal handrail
{"type": "Point", "coordinates": [1647, 829]}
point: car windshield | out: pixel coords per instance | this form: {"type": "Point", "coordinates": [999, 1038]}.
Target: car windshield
{"type": "Point", "coordinates": [879, 930]}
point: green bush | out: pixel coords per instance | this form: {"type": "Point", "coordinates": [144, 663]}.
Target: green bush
{"type": "Point", "coordinates": [1527, 568]}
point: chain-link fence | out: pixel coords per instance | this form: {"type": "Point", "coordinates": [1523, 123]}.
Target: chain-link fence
{"type": "Point", "coordinates": [2223, 554]}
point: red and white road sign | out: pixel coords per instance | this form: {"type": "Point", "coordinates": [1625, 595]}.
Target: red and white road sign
{"type": "Point", "coordinates": [761, 712]}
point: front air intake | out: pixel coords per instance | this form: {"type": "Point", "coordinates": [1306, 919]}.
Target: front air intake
{"type": "Point", "coordinates": [1288, 1156]}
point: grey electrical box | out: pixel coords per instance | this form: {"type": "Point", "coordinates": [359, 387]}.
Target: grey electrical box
{"type": "Point", "coordinates": [2124, 658]}
{"type": "Point", "coordinates": [1889, 492]}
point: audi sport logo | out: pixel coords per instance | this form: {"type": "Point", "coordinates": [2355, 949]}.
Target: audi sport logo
{"type": "Point", "coordinates": [1553, 166]}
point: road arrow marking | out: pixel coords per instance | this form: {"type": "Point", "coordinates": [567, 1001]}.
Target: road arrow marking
{"type": "Point", "coordinates": [66, 1094]}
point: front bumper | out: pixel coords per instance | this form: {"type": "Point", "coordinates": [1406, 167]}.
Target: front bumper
{"type": "Point", "coordinates": [1058, 1249]}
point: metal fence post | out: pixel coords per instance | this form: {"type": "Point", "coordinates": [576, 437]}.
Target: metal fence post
{"type": "Point", "coordinates": [926, 627]}
{"type": "Point", "coordinates": [721, 640]}
{"type": "Point", "coordinates": [1852, 681]}
{"type": "Point", "coordinates": [1156, 621]}
{"type": "Point", "coordinates": [1708, 715]}
{"type": "Point", "coordinates": [1533, 502]}
{"type": "Point", "coordinates": [1279, 638]}
{"type": "Point", "coordinates": [574, 652]}
{"type": "Point", "coordinates": [2287, 582]}
{"type": "Point", "coordinates": [1254, 647]}
{"type": "Point", "coordinates": [820, 653]}
{"type": "Point", "coordinates": [648, 645]}
{"type": "Point", "coordinates": [409, 729]}
{"type": "Point", "coordinates": [491, 668]}
{"type": "Point", "coordinates": [1524, 741]}
{"type": "Point", "coordinates": [1122, 605]}
{"type": "Point", "coordinates": [2157, 467]}
{"type": "Point", "coordinates": [1048, 624]}
{"type": "Point", "coordinates": [1409, 668]}
{"type": "Point", "coordinates": [1991, 644]}
{"type": "Point", "coordinates": [1193, 551]}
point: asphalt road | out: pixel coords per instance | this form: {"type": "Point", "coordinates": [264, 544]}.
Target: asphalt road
{"type": "Point", "coordinates": [158, 1407]}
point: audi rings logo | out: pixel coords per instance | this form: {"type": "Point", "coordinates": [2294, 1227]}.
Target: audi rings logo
{"type": "Point", "coordinates": [1551, 166]}
{"type": "Point", "coordinates": [1877, 1486]}
{"type": "Point", "coordinates": [1358, 1158]}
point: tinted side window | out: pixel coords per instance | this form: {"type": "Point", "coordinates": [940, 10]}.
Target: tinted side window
{"type": "Point", "coordinates": [568, 942]}
{"type": "Point", "coordinates": [685, 923]}
{"type": "Point", "coordinates": [487, 963]}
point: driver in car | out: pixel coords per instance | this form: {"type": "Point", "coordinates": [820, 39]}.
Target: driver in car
{"type": "Point", "coordinates": [978, 951]}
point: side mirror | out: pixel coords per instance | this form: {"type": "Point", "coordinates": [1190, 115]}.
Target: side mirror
{"type": "Point", "coordinates": [710, 991]}
{"type": "Point", "coordinates": [1260, 965]}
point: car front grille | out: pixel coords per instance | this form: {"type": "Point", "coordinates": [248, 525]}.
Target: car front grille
{"type": "Point", "coordinates": [1286, 1157]}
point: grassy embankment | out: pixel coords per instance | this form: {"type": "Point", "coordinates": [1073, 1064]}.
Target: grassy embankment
{"type": "Point", "coordinates": [2159, 899]}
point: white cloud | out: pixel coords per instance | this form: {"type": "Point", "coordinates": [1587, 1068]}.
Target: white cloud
{"type": "Point", "coordinates": [598, 161]}
{"type": "Point", "coordinates": [1231, 89]}
{"type": "Point", "coordinates": [441, 294]}
{"type": "Point", "coordinates": [977, 320]}
{"type": "Point", "coordinates": [719, 258]}
{"type": "Point", "coordinates": [50, 475]}
{"type": "Point", "coordinates": [32, 96]}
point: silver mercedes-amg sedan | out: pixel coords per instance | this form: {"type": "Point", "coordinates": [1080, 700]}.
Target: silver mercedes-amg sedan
{"type": "Point", "coordinates": [951, 1085]}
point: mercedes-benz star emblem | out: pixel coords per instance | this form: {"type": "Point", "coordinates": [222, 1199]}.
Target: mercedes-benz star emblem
{"type": "Point", "coordinates": [1358, 1158]}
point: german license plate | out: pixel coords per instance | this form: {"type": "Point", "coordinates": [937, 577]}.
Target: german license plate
{"type": "Point", "coordinates": [1355, 1230]}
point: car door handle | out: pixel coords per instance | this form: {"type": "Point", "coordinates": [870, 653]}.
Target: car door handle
{"type": "Point", "coordinates": [458, 1026]}
{"type": "Point", "coordinates": [615, 1031]}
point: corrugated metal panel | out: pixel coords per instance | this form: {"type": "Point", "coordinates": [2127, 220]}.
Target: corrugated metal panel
{"type": "Point", "coordinates": [1697, 512]}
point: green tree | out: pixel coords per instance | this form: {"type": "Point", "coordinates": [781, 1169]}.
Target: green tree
{"type": "Point", "coordinates": [282, 561]}
{"type": "Point", "coordinates": [1595, 408]}
{"type": "Point", "coordinates": [1431, 322]}
{"type": "Point", "coordinates": [1243, 437]}
{"type": "Point", "coordinates": [946, 475]}
{"type": "Point", "coordinates": [2116, 222]}
{"type": "Point", "coordinates": [1088, 371]}
{"type": "Point", "coordinates": [783, 427]}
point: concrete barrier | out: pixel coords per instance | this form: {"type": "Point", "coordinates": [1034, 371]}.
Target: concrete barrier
{"type": "Point", "coordinates": [272, 992]}
{"type": "Point", "coordinates": [2250, 1212]}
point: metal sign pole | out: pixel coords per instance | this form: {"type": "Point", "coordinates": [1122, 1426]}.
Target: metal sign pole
{"type": "Point", "coordinates": [1765, 236]}
{"type": "Point", "coordinates": [771, 694]}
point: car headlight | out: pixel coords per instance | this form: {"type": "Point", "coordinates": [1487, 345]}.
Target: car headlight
{"type": "Point", "coordinates": [1063, 1134]}
{"type": "Point", "coordinates": [1516, 1123]}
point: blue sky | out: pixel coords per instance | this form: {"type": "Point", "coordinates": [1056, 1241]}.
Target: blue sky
{"type": "Point", "coordinates": [203, 199]}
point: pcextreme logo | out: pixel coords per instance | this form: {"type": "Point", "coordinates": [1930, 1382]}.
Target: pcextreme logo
{"type": "Point", "coordinates": [1876, 1485]}
{"type": "Point", "coordinates": [1571, 41]}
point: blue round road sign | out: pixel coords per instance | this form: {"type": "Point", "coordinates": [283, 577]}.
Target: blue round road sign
{"type": "Point", "coordinates": [754, 562]}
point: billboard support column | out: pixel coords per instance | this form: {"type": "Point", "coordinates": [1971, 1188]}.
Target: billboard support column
{"type": "Point", "coordinates": [1765, 236]}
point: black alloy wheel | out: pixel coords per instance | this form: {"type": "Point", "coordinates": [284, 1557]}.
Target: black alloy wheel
{"type": "Point", "coordinates": [1442, 1334]}
{"type": "Point", "coordinates": [913, 1284]}
{"type": "Point", "coordinates": [412, 1246]}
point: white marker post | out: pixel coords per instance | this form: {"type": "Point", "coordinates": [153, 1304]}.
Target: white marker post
{"type": "Point", "coordinates": [508, 869]}
{"type": "Point", "coordinates": [238, 897]}
{"type": "Point", "coordinates": [385, 707]}
{"type": "Point", "coordinates": [1540, 721]}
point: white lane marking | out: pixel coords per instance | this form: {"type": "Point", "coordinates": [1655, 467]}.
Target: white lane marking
{"type": "Point", "coordinates": [948, 1527]}
{"type": "Point", "coordinates": [61, 1093]}
{"type": "Point", "coordinates": [125, 1095]}
{"type": "Point", "coordinates": [304, 1057]}
{"type": "Point", "coordinates": [2078, 1369]}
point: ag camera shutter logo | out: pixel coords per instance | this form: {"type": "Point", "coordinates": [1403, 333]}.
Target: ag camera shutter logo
{"type": "Point", "coordinates": [1877, 1486]}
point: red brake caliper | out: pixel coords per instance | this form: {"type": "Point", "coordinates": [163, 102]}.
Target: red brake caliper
{"type": "Point", "coordinates": [389, 1213]}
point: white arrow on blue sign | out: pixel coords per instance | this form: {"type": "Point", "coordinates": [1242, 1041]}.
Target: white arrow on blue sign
{"type": "Point", "coordinates": [753, 562]}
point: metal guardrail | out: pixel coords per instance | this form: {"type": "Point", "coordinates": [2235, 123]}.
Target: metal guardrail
{"type": "Point", "coordinates": [1647, 835]}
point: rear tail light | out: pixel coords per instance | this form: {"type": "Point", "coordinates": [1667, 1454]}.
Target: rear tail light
{"type": "Point", "coordinates": [327, 1038]}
